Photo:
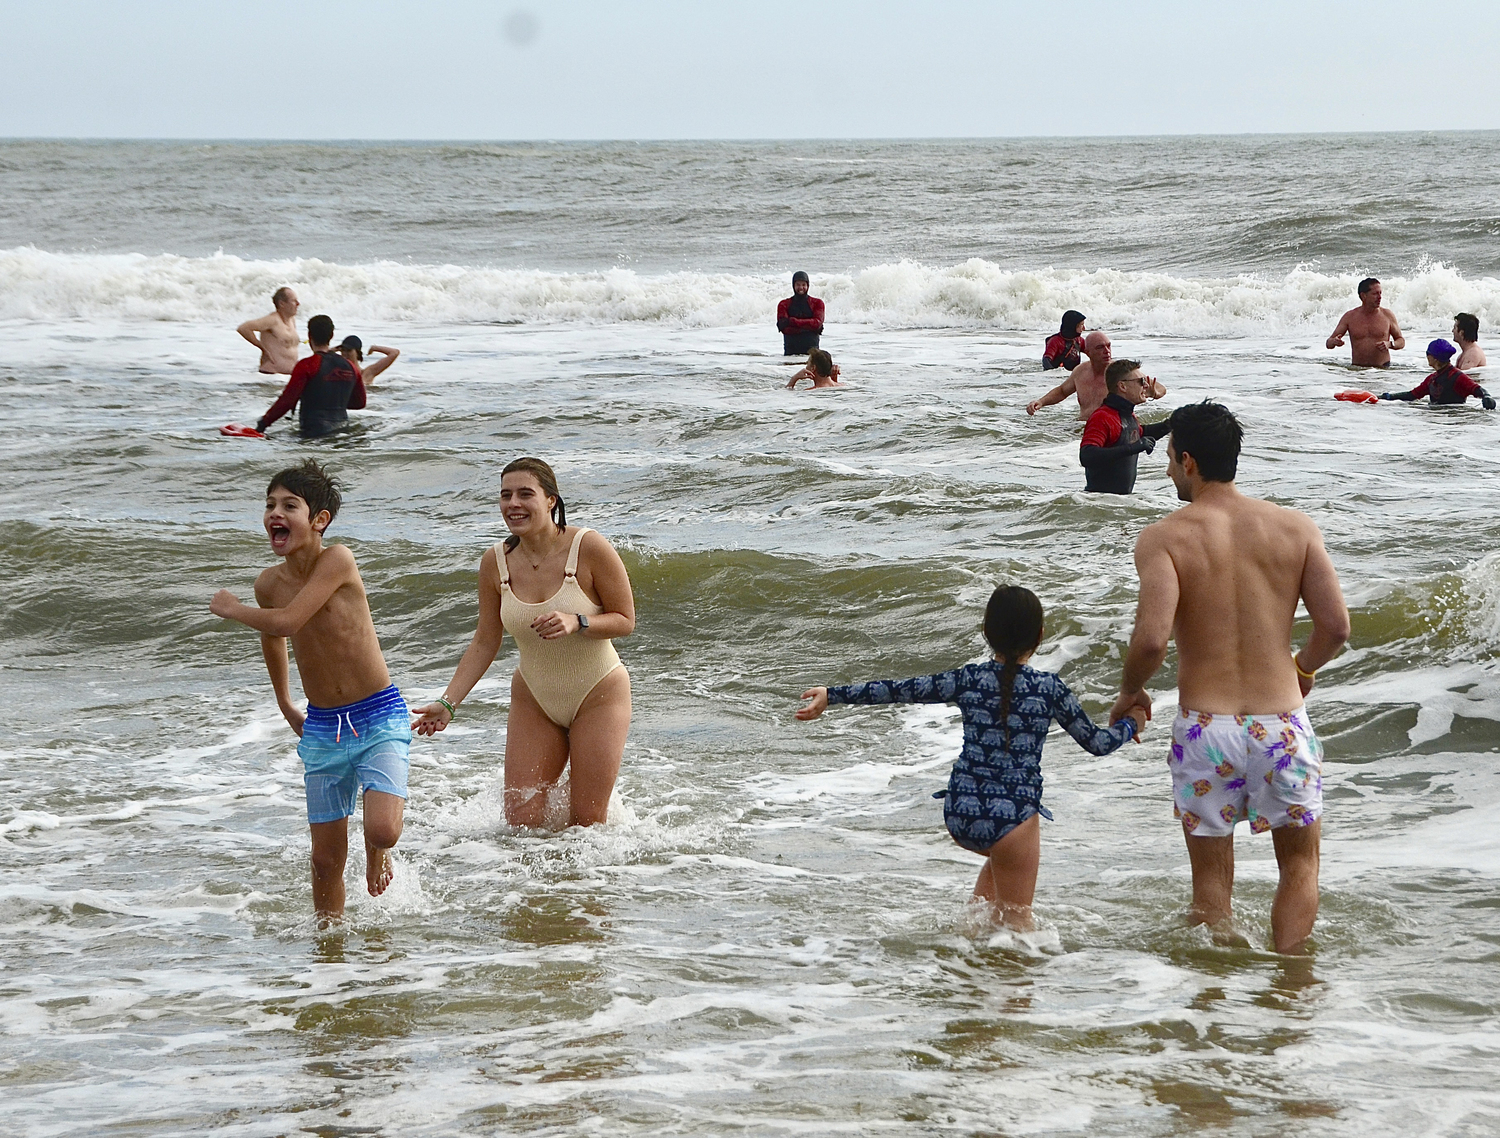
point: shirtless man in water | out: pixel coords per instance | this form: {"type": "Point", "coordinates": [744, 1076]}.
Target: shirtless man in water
{"type": "Point", "coordinates": [1223, 577]}
{"type": "Point", "coordinates": [278, 340]}
{"type": "Point", "coordinates": [1087, 380]}
{"type": "Point", "coordinates": [1466, 335]}
{"type": "Point", "coordinates": [1373, 328]}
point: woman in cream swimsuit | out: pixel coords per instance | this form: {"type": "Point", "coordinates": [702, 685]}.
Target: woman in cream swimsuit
{"type": "Point", "coordinates": [562, 593]}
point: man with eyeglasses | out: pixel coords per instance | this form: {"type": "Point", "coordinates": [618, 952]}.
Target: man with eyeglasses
{"type": "Point", "coordinates": [1087, 380]}
{"type": "Point", "coordinates": [1114, 438]}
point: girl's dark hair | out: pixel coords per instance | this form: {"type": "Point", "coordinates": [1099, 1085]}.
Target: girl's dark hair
{"type": "Point", "coordinates": [1013, 627]}
{"type": "Point", "coordinates": [548, 482]}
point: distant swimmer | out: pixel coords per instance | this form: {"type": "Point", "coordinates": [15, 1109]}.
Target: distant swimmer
{"type": "Point", "coordinates": [352, 349]}
{"type": "Point", "coordinates": [1446, 385]}
{"type": "Point", "coordinates": [799, 318]}
{"type": "Point", "coordinates": [1466, 332]}
{"type": "Point", "coordinates": [356, 732]}
{"type": "Point", "coordinates": [1114, 438]}
{"type": "Point", "coordinates": [1064, 348]}
{"type": "Point", "coordinates": [820, 369]}
{"type": "Point", "coordinates": [570, 694]}
{"type": "Point", "coordinates": [1223, 576]}
{"type": "Point", "coordinates": [325, 384]}
{"type": "Point", "coordinates": [275, 334]}
{"type": "Point", "coordinates": [1087, 380]}
{"type": "Point", "coordinates": [1374, 329]}
{"type": "Point", "coordinates": [993, 804]}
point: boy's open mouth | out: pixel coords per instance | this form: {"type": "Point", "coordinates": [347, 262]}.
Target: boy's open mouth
{"type": "Point", "coordinates": [279, 535]}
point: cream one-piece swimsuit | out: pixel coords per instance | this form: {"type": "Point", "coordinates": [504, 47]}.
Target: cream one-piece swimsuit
{"type": "Point", "coordinates": [561, 672]}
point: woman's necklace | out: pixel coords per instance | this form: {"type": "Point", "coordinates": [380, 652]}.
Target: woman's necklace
{"type": "Point", "coordinates": [538, 564]}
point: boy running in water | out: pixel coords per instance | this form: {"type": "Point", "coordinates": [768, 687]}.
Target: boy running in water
{"type": "Point", "coordinates": [356, 731]}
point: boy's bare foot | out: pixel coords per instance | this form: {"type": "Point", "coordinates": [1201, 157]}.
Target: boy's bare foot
{"type": "Point", "coordinates": [379, 870]}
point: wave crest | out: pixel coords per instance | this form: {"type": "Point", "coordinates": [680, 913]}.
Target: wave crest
{"type": "Point", "coordinates": [40, 285]}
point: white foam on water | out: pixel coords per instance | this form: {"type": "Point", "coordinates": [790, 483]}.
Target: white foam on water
{"type": "Point", "coordinates": [40, 285]}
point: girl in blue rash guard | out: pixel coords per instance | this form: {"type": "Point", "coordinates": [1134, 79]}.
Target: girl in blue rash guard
{"type": "Point", "coordinates": [994, 794]}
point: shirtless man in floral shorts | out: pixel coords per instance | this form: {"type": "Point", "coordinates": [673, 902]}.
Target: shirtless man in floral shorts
{"type": "Point", "coordinates": [1223, 576]}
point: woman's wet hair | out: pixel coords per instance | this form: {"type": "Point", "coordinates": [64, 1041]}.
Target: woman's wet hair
{"type": "Point", "coordinates": [1212, 435]}
{"type": "Point", "coordinates": [1013, 627]}
{"type": "Point", "coordinates": [313, 485]}
{"type": "Point", "coordinates": [548, 482]}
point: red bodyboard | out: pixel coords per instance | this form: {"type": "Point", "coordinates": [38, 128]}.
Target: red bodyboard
{"type": "Point", "coordinates": [240, 431]}
{"type": "Point", "coordinates": [1356, 397]}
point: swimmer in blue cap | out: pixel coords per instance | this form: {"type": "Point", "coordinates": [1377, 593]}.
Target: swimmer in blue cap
{"type": "Point", "coordinates": [1446, 385]}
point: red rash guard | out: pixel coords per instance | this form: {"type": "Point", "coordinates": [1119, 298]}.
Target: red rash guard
{"type": "Point", "coordinates": [787, 323]}
{"type": "Point", "coordinates": [305, 370]}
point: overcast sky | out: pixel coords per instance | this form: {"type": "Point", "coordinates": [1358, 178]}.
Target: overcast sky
{"type": "Point", "coordinates": [594, 69]}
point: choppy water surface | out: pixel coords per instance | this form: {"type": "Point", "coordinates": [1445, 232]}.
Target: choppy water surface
{"type": "Point", "coordinates": [770, 937]}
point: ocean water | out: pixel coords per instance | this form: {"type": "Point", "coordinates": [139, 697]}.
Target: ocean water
{"type": "Point", "coordinates": [770, 936]}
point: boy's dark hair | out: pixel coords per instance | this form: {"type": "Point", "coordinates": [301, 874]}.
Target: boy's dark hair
{"type": "Point", "coordinates": [1367, 284]}
{"type": "Point", "coordinates": [1211, 434]}
{"type": "Point", "coordinates": [820, 361]}
{"type": "Point", "coordinates": [1118, 370]}
{"type": "Point", "coordinates": [320, 329]}
{"type": "Point", "coordinates": [1468, 325]}
{"type": "Point", "coordinates": [1013, 627]}
{"type": "Point", "coordinates": [313, 485]}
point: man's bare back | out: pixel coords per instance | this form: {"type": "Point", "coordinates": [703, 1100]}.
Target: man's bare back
{"type": "Point", "coordinates": [337, 652]}
{"type": "Point", "coordinates": [1225, 573]}
{"type": "Point", "coordinates": [275, 334]}
{"type": "Point", "coordinates": [1372, 330]}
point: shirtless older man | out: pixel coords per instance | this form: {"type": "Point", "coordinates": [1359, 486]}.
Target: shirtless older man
{"type": "Point", "coordinates": [1087, 380]}
{"type": "Point", "coordinates": [1224, 575]}
{"type": "Point", "coordinates": [275, 334]}
{"type": "Point", "coordinates": [1373, 329]}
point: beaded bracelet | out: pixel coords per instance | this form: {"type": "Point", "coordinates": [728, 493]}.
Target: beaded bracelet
{"type": "Point", "coordinates": [452, 711]}
{"type": "Point", "coordinates": [1305, 675]}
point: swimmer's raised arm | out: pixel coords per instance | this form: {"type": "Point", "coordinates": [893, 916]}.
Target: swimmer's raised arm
{"type": "Point", "coordinates": [250, 327]}
{"type": "Point", "coordinates": [1064, 389]}
{"type": "Point", "coordinates": [375, 367]}
{"type": "Point", "coordinates": [335, 568]}
{"type": "Point", "coordinates": [805, 373]}
{"type": "Point", "coordinates": [1154, 388]}
{"type": "Point", "coordinates": [477, 658]}
{"type": "Point", "coordinates": [1340, 331]}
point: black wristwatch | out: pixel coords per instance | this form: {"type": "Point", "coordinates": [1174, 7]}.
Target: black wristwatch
{"type": "Point", "coordinates": [583, 621]}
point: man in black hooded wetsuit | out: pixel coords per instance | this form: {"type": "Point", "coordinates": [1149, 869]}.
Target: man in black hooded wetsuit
{"type": "Point", "coordinates": [799, 318]}
{"type": "Point", "coordinates": [325, 383]}
{"type": "Point", "coordinates": [1114, 438]}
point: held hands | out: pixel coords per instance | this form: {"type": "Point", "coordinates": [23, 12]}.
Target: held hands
{"type": "Point", "coordinates": [555, 625]}
{"type": "Point", "coordinates": [817, 707]}
{"type": "Point", "coordinates": [431, 719]}
{"type": "Point", "coordinates": [1133, 705]}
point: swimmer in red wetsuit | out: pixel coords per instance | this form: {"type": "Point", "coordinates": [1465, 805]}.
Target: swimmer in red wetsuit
{"type": "Point", "coordinates": [1446, 385]}
{"type": "Point", "coordinates": [1066, 347]}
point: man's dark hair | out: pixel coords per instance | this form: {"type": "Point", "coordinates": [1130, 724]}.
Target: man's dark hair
{"type": "Point", "coordinates": [1211, 434]}
{"type": "Point", "coordinates": [820, 361]}
{"type": "Point", "coordinates": [1468, 325]}
{"type": "Point", "coordinates": [1367, 284]}
{"type": "Point", "coordinates": [319, 329]}
{"type": "Point", "coordinates": [1117, 371]}
{"type": "Point", "coordinates": [313, 485]}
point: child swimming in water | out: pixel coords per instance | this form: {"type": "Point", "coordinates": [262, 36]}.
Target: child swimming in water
{"type": "Point", "coordinates": [820, 369]}
{"type": "Point", "coordinates": [994, 794]}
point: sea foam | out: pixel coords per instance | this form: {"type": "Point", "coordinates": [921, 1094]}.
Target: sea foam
{"type": "Point", "coordinates": [976, 294]}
